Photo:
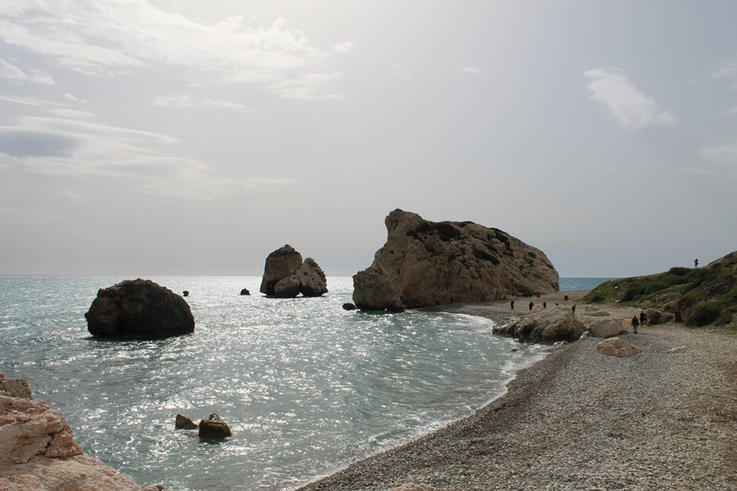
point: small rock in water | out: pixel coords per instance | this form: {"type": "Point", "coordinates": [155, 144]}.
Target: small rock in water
{"type": "Point", "coordinates": [214, 428]}
{"type": "Point", "coordinates": [185, 293]}
{"type": "Point", "coordinates": [245, 292]}
{"type": "Point", "coordinates": [185, 423]}
{"type": "Point", "coordinates": [349, 306]}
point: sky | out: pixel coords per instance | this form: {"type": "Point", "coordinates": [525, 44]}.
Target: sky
{"type": "Point", "coordinates": [186, 137]}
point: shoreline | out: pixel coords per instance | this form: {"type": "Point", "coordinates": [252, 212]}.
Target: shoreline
{"type": "Point", "coordinates": [580, 419]}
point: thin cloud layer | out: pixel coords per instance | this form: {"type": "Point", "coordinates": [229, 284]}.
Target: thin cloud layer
{"type": "Point", "coordinates": [628, 105]}
{"type": "Point", "coordinates": [71, 147]}
{"type": "Point", "coordinates": [9, 71]}
{"type": "Point", "coordinates": [186, 100]}
{"type": "Point", "coordinates": [104, 38]}
{"type": "Point", "coordinates": [721, 154]}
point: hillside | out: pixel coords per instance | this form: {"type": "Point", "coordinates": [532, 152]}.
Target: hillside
{"type": "Point", "coordinates": [697, 297]}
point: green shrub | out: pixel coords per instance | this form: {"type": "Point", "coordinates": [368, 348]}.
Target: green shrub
{"type": "Point", "coordinates": [703, 314]}
{"type": "Point", "coordinates": [596, 298]}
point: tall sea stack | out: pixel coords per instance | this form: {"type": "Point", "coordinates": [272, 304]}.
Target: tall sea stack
{"type": "Point", "coordinates": [427, 263]}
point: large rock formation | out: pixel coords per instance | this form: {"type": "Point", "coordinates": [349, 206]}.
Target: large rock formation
{"type": "Point", "coordinates": [139, 309]}
{"type": "Point", "coordinates": [286, 276]}
{"type": "Point", "coordinates": [427, 263]}
{"type": "Point", "coordinates": [544, 326]}
{"type": "Point", "coordinates": [37, 450]}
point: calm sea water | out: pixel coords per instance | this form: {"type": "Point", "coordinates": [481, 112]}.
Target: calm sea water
{"type": "Point", "coordinates": [305, 386]}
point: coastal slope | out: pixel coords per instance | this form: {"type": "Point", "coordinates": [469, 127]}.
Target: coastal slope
{"type": "Point", "coordinates": [579, 419]}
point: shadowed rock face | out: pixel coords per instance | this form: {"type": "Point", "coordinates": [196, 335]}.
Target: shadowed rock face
{"type": "Point", "coordinates": [435, 263]}
{"type": "Point", "coordinates": [286, 276]}
{"type": "Point", "coordinates": [138, 309]}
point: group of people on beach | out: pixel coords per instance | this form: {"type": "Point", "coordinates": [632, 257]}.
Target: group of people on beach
{"type": "Point", "coordinates": [545, 305]}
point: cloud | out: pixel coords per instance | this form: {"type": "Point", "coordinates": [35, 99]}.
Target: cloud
{"type": "Point", "coordinates": [186, 100]}
{"type": "Point", "coordinates": [343, 48]}
{"type": "Point", "coordinates": [105, 38]}
{"type": "Point", "coordinates": [30, 101]}
{"type": "Point", "coordinates": [71, 147]}
{"type": "Point", "coordinates": [470, 69]}
{"type": "Point", "coordinates": [9, 71]}
{"type": "Point", "coordinates": [721, 154]}
{"type": "Point", "coordinates": [728, 70]}
{"type": "Point", "coordinates": [72, 195]}
{"type": "Point", "coordinates": [71, 97]}
{"type": "Point", "coordinates": [311, 86]}
{"type": "Point", "coordinates": [631, 107]}
{"type": "Point", "coordinates": [731, 110]}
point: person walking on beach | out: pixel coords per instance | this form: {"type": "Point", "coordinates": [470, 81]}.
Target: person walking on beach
{"type": "Point", "coordinates": [635, 323]}
{"type": "Point", "coordinates": [530, 306]}
{"type": "Point", "coordinates": [511, 304]}
{"type": "Point", "coordinates": [573, 309]}
{"type": "Point", "coordinates": [643, 318]}
{"type": "Point", "coordinates": [545, 305]}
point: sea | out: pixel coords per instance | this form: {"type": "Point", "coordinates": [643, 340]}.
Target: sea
{"type": "Point", "coordinates": [306, 387]}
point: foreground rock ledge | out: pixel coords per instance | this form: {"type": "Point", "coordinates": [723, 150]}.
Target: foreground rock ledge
{"type": "Point", "coordinates": [139, 309]}
{"type": "Point", "coordinates": [37, 450]}
{"type": "Point", "coordinates": [426, 263]}
{"type": "Point", "coordinates": [286, 276]}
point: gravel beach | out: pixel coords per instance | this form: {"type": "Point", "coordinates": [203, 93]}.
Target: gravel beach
{"type": "Point", "coordinates": [582, 420]}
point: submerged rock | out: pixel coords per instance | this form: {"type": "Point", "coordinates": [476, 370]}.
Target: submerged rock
{"type": "Point", "coordinates": [544, 326]}
{"type": "Point", "coordinates": [214, 428]}
{"type": "Point", "coordinates": [245, 292]}
{"type": "Point", "coordinates": [286, 276]}
{"type": "Point", "coordinates": [427, 263]}
{"type": "Point", "coordinates": [349, 306]}
{"type": "Point", "coordinates": [139, 309]}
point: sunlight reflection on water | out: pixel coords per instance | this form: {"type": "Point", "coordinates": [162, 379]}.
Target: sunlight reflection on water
{"type": "Point", "coordinates": [305, 385]}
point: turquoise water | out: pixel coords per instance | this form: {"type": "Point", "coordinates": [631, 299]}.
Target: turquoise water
{"type": "Point", "coordinates": [305, 386]}
{"type": "Point", "coordinates": [569, 284]}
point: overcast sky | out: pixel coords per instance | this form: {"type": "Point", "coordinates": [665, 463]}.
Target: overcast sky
{"type": "Point", "coordinates": [187, 137]}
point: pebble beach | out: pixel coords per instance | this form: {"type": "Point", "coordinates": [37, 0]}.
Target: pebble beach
{"type": "Point", "coordinates": [664, 418]}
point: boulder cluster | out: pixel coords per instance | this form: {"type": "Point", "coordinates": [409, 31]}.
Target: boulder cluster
{"type": "Point", "coordinates": [210, 428]}
{"type": "Point", "coordinates": [427, 263]}
{"type": "Point", "coordinates": [286, 275]}
{"type": "Point", "coordinates": [544, 326]}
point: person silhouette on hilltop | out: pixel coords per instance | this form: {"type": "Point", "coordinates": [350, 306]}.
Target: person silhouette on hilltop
{"type": "Point", "coordinates": [696, 263]}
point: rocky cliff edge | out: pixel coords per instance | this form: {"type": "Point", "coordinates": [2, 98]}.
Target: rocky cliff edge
{"type": "Point", "coordinates": [37, 450]}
